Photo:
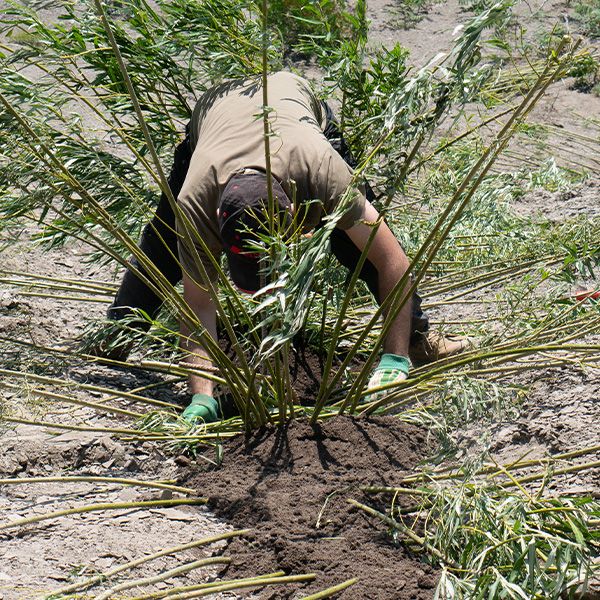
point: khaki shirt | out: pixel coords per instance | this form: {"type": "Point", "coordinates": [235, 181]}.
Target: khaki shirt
{"type": "Point", "coordinates": [227, 136]}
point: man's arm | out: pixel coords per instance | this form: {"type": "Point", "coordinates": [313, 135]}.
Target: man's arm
{"type": "Point", "coordinates": [387, 256]}
{"type": "Point", "coordinates": [200, 301]}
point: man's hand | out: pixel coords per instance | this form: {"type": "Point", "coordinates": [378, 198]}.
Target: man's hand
{"type": "Point", "coordinates": [391, 369]}
{"type": "Point", "coordinates": [202, 407]}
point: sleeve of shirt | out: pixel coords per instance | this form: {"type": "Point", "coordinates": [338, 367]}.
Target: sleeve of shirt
{"type": "Point", "coordinates": [334, 179]}
{"type": "Point", "coordinates": [191, 252]}
{"type": "Point", "coordinates": [193, 223]}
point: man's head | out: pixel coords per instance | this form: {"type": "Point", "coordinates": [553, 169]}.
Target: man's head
{"type": "Point", "coordinates": [242, 215]}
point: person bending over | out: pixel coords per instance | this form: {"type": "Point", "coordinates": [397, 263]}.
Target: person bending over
{"type": "Point", "coordinates": [219, 180]}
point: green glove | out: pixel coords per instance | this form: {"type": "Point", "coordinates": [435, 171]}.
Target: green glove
{"type": "Point", "coordinates": [391, 369]}
{"type": "Point", "coordinates": [203, 407]}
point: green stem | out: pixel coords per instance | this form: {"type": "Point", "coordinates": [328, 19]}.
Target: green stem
{"type": "Point", "coordinates": [74, 427]}
{"type": "Point", "coordinates": [94, 479]}
{"type": "Point", "coordinates": [215, 560]}
{"type": "Point", "coordinates": [231, 371]}
{"type": "Point", "coordinates": [452, 213]}
{"type": "Point", "coordinates": [409, 533]}
{"type": "Point", "coordinates": [66, 297]}
{"type": "Point", "coordinates": [340, 587]}
{"type": "Point", "coordinates": [201, 586]}
{"type": "Point", "coordinates": [100, 507]}
{"type": "Point", "coordinates": [465, 360]}
{"type": "Point", "coordinates": [83, 585]}
{"type": "Point", "coordinates": [92, 285]}
{"type": "Point", "coordinates": [64, 398]}
{"type": "Point", "coordinates": [246, 583]}
{"type": "Point", "coordinates": [563, 471]}
{"type": "Point", "coordinates": [83, 386]}
{"type": "Point", "coordinates": [81, 289]}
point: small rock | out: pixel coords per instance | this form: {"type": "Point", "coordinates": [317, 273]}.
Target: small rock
{"type": "Point", "coordinates": [427, 582]}
{"type": "Point", "coordinates": [132, 465]}
{"type": "Point", "coordinates": [104, 563]}
{"type": "Point", "coordinates": [173, 514]}
{"type": "Point", "coordinates": [182, 461]}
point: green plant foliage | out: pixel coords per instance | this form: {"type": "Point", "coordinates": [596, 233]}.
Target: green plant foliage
{"type": "Point", "coordinates": [510, 545]}
{"type": "Point", "coordinates": [386, 105]}
{"type": "Point", "coordinates": [172, 56]}
{"type": "Point", "coordinates": [464, 400]}
{"type": "Point", "coordinates": [408, 13]}
{"type": "Point", "coordinates": [433, 158]}
{"type": "Point", "coordinates": [588, 12]}
{"type": "Point", "coordinates": [476, 6]}
{"type": "Point", "coordinates": [489, 226]}
{"type": "Point", "coordinates": [138, 76]}
{"type": "Point", "coordinates": [324, 20]}
{"type": "Point", "coordinates": [493, 536]}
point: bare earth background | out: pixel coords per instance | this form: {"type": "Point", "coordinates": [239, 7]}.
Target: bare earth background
{"type": "Point", "coordinates": [561, 411]}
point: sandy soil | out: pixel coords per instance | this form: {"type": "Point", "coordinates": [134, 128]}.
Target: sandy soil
{"type": "Point", "coordinates": [560, 413]}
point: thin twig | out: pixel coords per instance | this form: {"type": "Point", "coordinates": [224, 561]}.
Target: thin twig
{"type": "Point", "coordinates": [140, 561]}
{"type": "Point", "coordinates": [100, 507]}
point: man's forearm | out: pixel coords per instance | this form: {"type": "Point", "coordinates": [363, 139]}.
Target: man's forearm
{"type": "Point", "coordinates": [203, 307]}
{"type": "Point", "coordinates": [197, 358]}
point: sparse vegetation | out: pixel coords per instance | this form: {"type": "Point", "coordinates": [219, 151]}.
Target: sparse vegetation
{"type": "Point", "coordinates": [588, 12]}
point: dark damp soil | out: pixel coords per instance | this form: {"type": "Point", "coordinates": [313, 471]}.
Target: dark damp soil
{"type": "Point", "coordinates": [291, 486]}
{"type": "Point", "coordinates": [306, 365]}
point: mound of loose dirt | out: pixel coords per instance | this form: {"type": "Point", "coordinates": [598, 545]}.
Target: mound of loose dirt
{"type": "Point", "coordinates": [291, 485]}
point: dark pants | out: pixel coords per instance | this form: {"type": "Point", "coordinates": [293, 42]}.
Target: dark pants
{"type": "Point", "coordinates": [135, 294]}
{"type": "Point", "coordinates": [160, 232]}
